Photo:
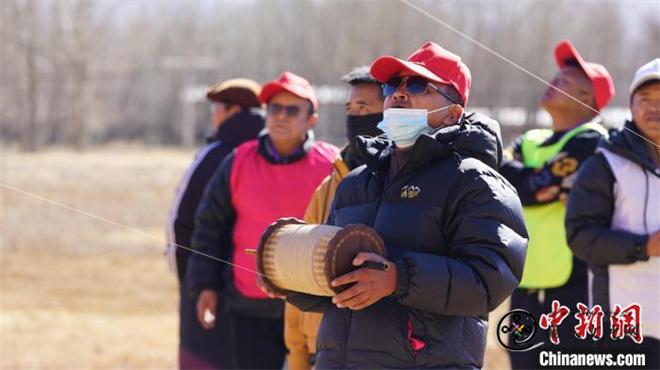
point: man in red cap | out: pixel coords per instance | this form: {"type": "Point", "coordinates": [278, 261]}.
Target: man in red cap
{"type": "Point", "coordinates": [261, 181]}
{"type": "Point", "coordinates": [236, 117]}
{"type": "Point", "coordinates": [452, 227]}
{"type": "Point", "coordinates": [542, 165]}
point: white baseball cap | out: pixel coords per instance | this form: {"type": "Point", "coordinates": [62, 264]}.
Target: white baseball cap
{"type": "Point", "coordinates": [647, 72]}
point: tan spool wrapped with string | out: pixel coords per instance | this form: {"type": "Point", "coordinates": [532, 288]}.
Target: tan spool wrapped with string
{"type": "Point", "coordinates": [297, 257]}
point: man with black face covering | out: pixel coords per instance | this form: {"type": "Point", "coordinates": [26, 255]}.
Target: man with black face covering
{"type": "Point", "coordinates": [364, 110]}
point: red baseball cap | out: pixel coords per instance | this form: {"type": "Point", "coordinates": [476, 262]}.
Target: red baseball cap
{"type": "Point", "coordinates": [601, 81]}
{"type": "Point", "coordinates": [431, 62]}
{"type": "Point", "coordinates": [292, 83]}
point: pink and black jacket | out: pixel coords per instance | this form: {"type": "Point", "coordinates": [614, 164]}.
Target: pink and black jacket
{"type": "Point", "coordinates": [252, 188]}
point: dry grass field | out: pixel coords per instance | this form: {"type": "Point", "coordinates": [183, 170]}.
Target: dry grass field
{"type": "Point", "coordinates": [79, 293]}
{"type": "Point", "coordinates": [76, 292]}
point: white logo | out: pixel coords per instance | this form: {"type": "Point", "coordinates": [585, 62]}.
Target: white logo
{"type": "Point", "coordinates": [410, 191]}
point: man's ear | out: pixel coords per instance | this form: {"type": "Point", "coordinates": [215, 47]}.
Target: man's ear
{"type": "Point", "coordinates": [592, 101]}
{"type": "Point", "coordinates": [455, 113]}
{"type": "Point", "coordinates": [235, 108]}
{"type": "Point", "coordinates": [588, 98]}
{"type": "Point", "coordinates": [313, 120]}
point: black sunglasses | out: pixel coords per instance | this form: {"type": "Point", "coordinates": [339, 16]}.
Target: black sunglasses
{"type": "Point", "coordinates": [291, 111]}
{"type": "Point", "coordinates": [414, 85]}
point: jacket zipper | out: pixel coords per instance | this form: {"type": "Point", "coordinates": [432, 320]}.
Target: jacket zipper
{"type": "Point", "coordinates": [344, 352]}
{"type": "Point", "coordinates": [381, 192]}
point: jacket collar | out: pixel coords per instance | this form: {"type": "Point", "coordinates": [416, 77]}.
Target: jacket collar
{"type": "Point", "coordinates": [242, 126]}
{"type": "Point", "coordinates": [350, 156]}
{"type": "Point", "coordinates": [266, 149]}
{"type": "Point", "coordinates": [628, 144]}
{"type": "Point", "coordinates": [475, 136]}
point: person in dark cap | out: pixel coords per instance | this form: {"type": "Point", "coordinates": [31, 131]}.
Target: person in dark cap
{"type": "Point", "coordinates": [260, 182]}
{"type": "Point", "coordinates": [452, 227]}
{"type": "Point", "coordinates": [542, 165]}
{"type": "Point", "coordinates": [236, 117]}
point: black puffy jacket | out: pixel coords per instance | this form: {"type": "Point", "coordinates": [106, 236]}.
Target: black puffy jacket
{"type": "Point", "coordinates": [459, 246]}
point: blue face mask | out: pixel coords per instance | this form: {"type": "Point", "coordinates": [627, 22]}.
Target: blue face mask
{"type": "Point", "coordinates": [405, 126]}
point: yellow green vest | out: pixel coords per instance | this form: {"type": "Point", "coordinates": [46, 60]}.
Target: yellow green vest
{"type": "Point", "coordinates": [549, 261]}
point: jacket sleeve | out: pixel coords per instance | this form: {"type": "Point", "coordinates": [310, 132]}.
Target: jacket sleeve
{"type": "Point", "coordinates": [589, 215]}
{"type": "Point", "coordinates": [294, 338]}
{"type": "Point", "coordinates": [559, 170]}
{"type": "Point", "coordinates": [214, 222]}
{"type": "Point", "coordinates": [294, 335]}
{"type": "Point", "coordinates": [308, 302]}
{"type": "Point", "coordinates": [514, 170]}
{"type": "Point", "coordinates": [319, 206]}
{"type": "Point", "coordinates": [194, 183]}
{"type": "Point", "coordinates": [487, 243]}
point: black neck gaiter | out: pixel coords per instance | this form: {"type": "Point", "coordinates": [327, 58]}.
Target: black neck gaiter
{"type": "Point", "coordinates": [363, 126]}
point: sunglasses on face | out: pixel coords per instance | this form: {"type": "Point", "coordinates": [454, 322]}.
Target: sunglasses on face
{"type": "Point", "coordinates": [291, 111]}
{"type": "Point", "coordinates": [414, 85]}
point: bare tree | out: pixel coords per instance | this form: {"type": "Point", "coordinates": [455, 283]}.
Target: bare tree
{"type": "Point", "coordinates": [86, 71]}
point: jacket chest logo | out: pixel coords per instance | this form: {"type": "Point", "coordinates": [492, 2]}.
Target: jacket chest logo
{"type": "Point", "coordinates": [410, 191]}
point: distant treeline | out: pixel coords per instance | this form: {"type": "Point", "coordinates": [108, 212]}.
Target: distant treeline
{"type": "Point", "coordinates": [80, 72]}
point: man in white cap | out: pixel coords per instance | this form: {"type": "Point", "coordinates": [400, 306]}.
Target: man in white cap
{"type": "Point", "coordinates": [613, 223]}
